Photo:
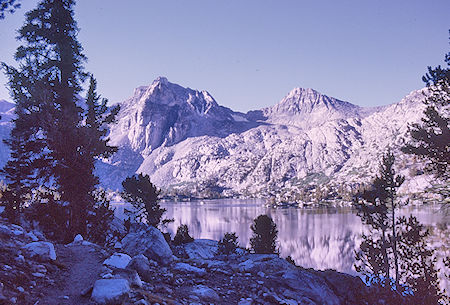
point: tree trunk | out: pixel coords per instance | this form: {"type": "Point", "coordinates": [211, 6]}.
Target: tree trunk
{"type": "Point", "coordinates": [394, 243]}
{"type": "Point", "coordinates": [385, 255]}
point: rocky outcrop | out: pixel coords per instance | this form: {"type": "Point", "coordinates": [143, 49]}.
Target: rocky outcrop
{"type": "Point", "coordinates": [117, 260]}
{"type": "Point", "coordinates": [27, 262]}
{"type": "Point", "coordinates": [148, 241]}
{"type": "Point", "coordinates": [204, 278]}
{"type": "Point", "coordinates": [201, 249]}
{"type": "Point", "coordinates": [42, 250]}
{"type": "Point", "coordinates": [110, 291]}
{"type": "Point", "coordinates": [186, 142]}
{"type": "Point", "coordinates": [142, 266]}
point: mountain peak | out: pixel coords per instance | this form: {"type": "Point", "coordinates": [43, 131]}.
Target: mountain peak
{"type": "Point", "coordinates": [303, 91]}
{"type": "Point", "coordinates": [307, 100]}
{"type": "Point", "coordinates": [306, 107]}
{"type": "Point", "coordinates": [160, 80]}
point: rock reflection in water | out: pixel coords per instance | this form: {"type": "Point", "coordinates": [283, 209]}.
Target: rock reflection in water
{"type": "Point", "coordinates": [317, 238]}
{"type": "Point", "coordinates": [314, 238]}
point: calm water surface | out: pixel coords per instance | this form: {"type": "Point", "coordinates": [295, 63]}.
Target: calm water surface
{"type": "Point", "coordinates": [317, 238]}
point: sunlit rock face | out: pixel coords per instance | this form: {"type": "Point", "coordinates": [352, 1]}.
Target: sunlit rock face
{"type": "Point", "coordinates": [184, 140]}
{"type": "Point", "coordinates": [164, 114]}
{"type": "Point", "coordinates": [191, 145]}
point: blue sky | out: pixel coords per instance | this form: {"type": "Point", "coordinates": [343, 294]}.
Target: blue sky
{"type": "Point", "coordinates": [250, 53]}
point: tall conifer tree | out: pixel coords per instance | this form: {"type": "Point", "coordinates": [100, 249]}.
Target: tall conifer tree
{"type": "Point", "coordinates": [55, 135]}
{"type": "Point", "coordinates": [430, 140]}
{"type": "Point", "coordinates": [394, 253]}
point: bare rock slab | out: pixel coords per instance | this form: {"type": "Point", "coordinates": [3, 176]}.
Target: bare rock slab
{"type": "Point", "coordinates": [117, 260]}
{"type": "Point", "coordinates": [110, 291]}
{"type": "Point", "coordinates": [201, 249]}
{"type": "Point", "coordinates": [43, 250]}
{"type": "Point", "coordinates": [148, 241]}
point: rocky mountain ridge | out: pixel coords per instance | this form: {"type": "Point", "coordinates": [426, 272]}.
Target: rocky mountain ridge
{"type": "Point", "coordinates": [190, 145]}
{"type": "Point", "coordinates": [308, 143]}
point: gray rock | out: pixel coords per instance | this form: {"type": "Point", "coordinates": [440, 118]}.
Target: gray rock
{"type": "Point", "coordinates": [43, 250]}
{"type": "Point", "coordinates": [130, 275]}
{"type": "Point", "coordinates": [110, 291]}
{"type": "Point", "coordinates": [348, 288]}
{"type": "Point", "coordinates": [32, 236]}
{"type": "Point", "coordinates": [86, 291]}
{"type": "Point", "coordinates": [78, 238]}
{"type": "Point", "coordinates": [117, 260]}
{"type": "Point", "coordinates": [186, 268]}
{"type": "Point", "coordinates": [2, 297]}
{"type": "Point", "coordinates": [201, 249]}
{"type": "Point", "coordinates": [205, 293]}
{"type": "Point", "coordinates": [40, 269]}
{"type": "Point", "coordinates": [148, 241]}
{"type": "Point", "coordinates": [301, 282]}
{"type": "Point", "coordinates": [248, 301]}
{"type": "Point", "coordinates": [11, 230]}
{"type": "Point", "coordinates": [142, 266]}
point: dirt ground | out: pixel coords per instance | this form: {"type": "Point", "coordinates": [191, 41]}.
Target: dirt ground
{"type": "Point", "coordinates": [82, 266]}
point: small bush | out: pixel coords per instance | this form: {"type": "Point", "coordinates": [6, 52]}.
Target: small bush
{"type": "Point", "coordinates": [228, 244]}
{"type": "Point", "coordinates": [264, 238]}
{"type": "Point", "coordinates": [182, 236]}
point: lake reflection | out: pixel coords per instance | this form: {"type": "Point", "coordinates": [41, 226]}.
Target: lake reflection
{"type": "Point", "coordinates": [317, 238]}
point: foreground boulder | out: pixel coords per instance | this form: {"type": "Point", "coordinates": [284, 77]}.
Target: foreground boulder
{"type": "Point", "coordinates": [148, 241]}
{"type": "Point", "coordinates": [42, 250]}
{"type": "Point", "coordinates": [110, 291]}
{"type": "Point", "coordinates": [142, 266]}
{"type": "Point", "coordinates": [201, 249]}
{"type": "Point", "coordinates": [302, 284]}
{"type": "Point", "coordinates": [348, 288]}
{"type": "Point", "coordinates": [117, 260]}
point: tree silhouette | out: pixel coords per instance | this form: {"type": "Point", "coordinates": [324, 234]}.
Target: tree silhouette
{"type": "Point", "coordinates": [263, 240]}
{"type": "Point", "coordinates": [394, 254]}
{"type": "Point", "coordinates": [430, 140]}
{"type": "Point", "coordinates": [9, 6]}
{"type": "Point", "coordinates": [54, 142]}
{"type": "Point", "coordinates": [144, 196]}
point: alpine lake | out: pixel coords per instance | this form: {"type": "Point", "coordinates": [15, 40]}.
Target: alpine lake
{"type": "Point", "coordinates": [319, 238]}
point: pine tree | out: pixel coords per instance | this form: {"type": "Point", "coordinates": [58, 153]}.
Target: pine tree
{"type": "Point", "coordinates": [60, 139]}
{"type": "Point", "coordinates": [93, 144]}
{"type": "Point", "coordinates": [431, 139]}
{"type": "Point", "coordinates": [144, 196]}
{"type": "Point", "coordinates": [228, 244]}
{"type": "Point", "coordinates": [378, 211]}
{"type": "Point", "coordinates": [418, 262]}
{"type": "Point", "coordinates": [394, 254]}
{"type": "Point", "coordinates": [9, 6]}
{"type": "Point", "coordinates": [264, 238]}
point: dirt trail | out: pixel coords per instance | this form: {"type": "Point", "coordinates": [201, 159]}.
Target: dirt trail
{"type": "Point", "coordinates": [82, 268]}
